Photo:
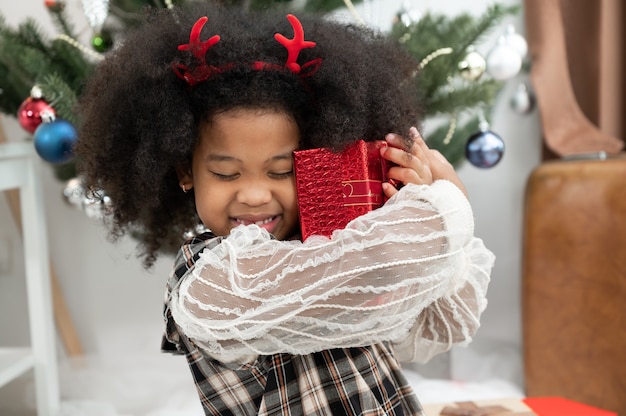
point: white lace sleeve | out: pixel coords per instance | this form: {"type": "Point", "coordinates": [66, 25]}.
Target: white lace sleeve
{"type": "Point", "coordinates": [410, 272]}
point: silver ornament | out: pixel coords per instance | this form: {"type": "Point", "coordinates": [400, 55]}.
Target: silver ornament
{"type": "Point", "coordinates": [96, 12]}
{"type": "Point", "coordinates": [523, 100]}
{"type": "Point", "coordinates": [473, 66]}
{"type": "Point", "coordinates": [36, 92]}
{"type": "Point", "coordinates": [197, 230]}
{"type": "Point", "coordinates": [407, 15]}
{"type": "Point", "coordinates": [96, 205]}
{"type": "Point", "coordinates": [74, 192]}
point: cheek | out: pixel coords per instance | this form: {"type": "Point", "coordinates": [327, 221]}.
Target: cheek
{"type": "Point", "coordinates": [290, 196]}
{"type": "Point", "coordinates": [210, 202]}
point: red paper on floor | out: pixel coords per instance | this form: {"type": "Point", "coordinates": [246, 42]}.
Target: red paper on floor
{"type": "Point", "coordinates": [558, 406]}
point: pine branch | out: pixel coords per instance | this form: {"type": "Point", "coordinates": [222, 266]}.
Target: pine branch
{"type": "Point", "coordinates": [60, 19]}
{"type": "Point", "coordinates": [65, 171]}
{"type": "Point", "coordinates": [27, 58]}
{"type": "Point", "coordinates": [29, 34]}
{"type": "Point", "coordinates": [445, 92]}
{"type": "Point", "coordinates": [13, 91]}
{"type": "Point", "coordinates": [434, 32]}
{"type": "Point", "coordinates": [24, 63]}
{"type": "Point", "coordinates": [477, 30]}
{"type": "Point", "coordinates": [60, 95]}
{"type": "Point", "coordinates": [458, 99]}
{"type": "Point", "coordinates": [326, 5]}
{"type": "Point", "coordinates": [69, 63]}
{"type": "Point", "coordinates": [453, 147]}
{"type": "Point", "coordinates": [128, 17]}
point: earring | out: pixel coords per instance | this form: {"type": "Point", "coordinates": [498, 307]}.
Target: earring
{"type": "Point", "coordinates": [184, 188]}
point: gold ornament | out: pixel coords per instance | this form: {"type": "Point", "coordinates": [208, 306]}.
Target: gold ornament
{"type": "Point", "coordinates": [472, 66]}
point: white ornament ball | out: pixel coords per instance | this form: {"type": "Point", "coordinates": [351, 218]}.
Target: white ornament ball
{"type": "Point", "coordinates": [503, 62]}
{"type": "Point", "coordinates": [516, 41]}
{"type": "Point", "coordinates": [74, 192]}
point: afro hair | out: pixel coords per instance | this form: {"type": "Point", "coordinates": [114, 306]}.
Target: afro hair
{"type": "Point", "coordinates": [139, 121]}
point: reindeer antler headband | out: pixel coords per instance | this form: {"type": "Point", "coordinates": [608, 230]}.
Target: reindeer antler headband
{"type": "Point", "coordinates": [202, 71]}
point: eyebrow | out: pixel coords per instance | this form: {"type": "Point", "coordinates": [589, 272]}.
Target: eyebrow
{"type": "Point", "coordinates": [225, 158]}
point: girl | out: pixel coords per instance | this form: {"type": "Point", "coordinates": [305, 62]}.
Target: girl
{"type": "Point", "coordinates": [194, 120]}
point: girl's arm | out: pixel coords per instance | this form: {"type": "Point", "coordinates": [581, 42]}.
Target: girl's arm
{"type": "Point", "coordinates": [410, 272]}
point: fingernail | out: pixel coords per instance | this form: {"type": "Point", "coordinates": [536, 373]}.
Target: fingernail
{"type": "Point", "coordinates": [396, 185]}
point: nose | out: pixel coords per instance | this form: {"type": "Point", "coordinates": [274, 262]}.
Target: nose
{"type": "Point", "coordinates": [255, 194]}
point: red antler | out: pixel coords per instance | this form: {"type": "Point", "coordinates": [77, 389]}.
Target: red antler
{"type": "Point", "coordinates": [201, 71]}
{"type": "Point", "coordinates": [295, 45]}
{"type": "Point", "coordinates": [199, 49]}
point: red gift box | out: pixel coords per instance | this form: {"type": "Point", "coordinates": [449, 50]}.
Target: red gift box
{"type": "Point", "coordinates": [334, 188]}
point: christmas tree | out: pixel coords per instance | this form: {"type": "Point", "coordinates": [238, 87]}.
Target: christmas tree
{"type": "Point", "coordinates": [453, 75]}
{"type": "Point", "coordinates": [44, 75]}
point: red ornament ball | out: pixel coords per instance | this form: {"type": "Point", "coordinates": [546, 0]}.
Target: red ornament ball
{"type": "Point", "coordinates": [54, 5]}
{"type": "Point", "coordinates": [29, 113]}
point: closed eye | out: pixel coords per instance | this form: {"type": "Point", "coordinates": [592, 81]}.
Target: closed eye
{"type": "Point", "coordinates": [281, 175]}
{"type": "Point", "coordinates": [225, 177]}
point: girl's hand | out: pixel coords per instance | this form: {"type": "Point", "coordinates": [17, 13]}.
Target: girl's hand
{"type": "Point", "coordinates": [418, 164]}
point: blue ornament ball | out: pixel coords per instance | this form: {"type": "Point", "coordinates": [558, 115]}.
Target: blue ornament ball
{"type": "Point", "coordinates": [54, 141]}
{"type": "Point", "coordinates": [484, 149]}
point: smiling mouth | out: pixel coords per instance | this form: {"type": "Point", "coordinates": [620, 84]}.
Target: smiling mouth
{"type": "Point", "coordinates": [260, 223]}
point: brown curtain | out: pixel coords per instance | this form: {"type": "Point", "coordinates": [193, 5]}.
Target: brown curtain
{"type": "Point", "coordinates": [578, 71]}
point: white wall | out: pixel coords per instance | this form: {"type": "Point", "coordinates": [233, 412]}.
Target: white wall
{"type": "Point", "coordinates": [116, 305]}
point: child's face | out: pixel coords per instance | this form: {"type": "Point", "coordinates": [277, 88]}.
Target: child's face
{"type": "Point", "coordinates": [242, 172]}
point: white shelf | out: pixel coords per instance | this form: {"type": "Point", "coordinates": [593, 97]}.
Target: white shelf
{"type": "Point", "coordinates": [19, 169]}
{"type": "Point", "coordinates": [14, 362]}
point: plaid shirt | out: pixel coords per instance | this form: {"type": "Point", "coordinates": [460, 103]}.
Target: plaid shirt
{"type": "Point", "coordinates": [343, 381]}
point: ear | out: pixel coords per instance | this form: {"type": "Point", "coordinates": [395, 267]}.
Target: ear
{"type": "Point", "coordinates": [185, 178]}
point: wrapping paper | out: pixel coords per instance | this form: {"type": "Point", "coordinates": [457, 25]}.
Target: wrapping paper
{"type": "Point", "coordinates": [334, 188]}
{"type": "Point", "coordinates": [501, 407]}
